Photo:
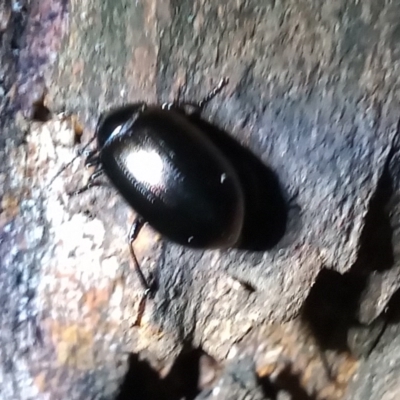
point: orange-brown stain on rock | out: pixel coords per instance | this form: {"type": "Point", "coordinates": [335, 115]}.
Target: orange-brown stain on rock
{"type": "Point", "coordinates": [9, 207]}
{"type": "Point", "coordinates": [95, 298]}
{"type": "Point", "coordinates": [94, 301]}
{"type": "Point", "coordinates": [149, 334]}
{"type": "Point", "coordinates": [347, 369]}
{"type": "Point", "coordinates": [73, 345]}
{"type": "Point", "coordinates": [286, 353]}
{"type": "Point", "coordinates": [40, 382]}
{"type": "Point", "coordinates": [266, 370]}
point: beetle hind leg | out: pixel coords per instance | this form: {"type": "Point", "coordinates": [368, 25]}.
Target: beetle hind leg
{"type": "Point", "coordinates": [133, 234]}
{"type": "Point", "coordinates": [147, 288]}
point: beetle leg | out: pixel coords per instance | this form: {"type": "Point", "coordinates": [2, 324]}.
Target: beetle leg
{"type": "Point", "coordinates": [95, 175]}
{"type": "Point", "coordinates": [91, 182]}
{"type": "Point", "coordinates": [87, 153]}
{"type": "Point", "coordinates": [169, 106]}
{"type": "Point", "coordinates": [133, 234]}
{"type": "Point", "coordinates": [223, 82]}
{"type": "Point", "coordinates": [92, 160]}
{"type": "Point", "coordinates": [193, 108]}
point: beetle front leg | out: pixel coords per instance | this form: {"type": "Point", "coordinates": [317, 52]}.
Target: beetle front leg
{"type": "Point", "coordinates": [223, 82]}
{"type": "Point", "coordinates": [91, 181]}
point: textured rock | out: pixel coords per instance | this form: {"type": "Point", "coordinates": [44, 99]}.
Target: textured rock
{"type": "Point", "coordinates": [312, 94]}
{"type": "Point", "coordinates": [378, 376]}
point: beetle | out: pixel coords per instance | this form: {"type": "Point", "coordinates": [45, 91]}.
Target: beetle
{"type": "Point", "coordinates": [168, 170]}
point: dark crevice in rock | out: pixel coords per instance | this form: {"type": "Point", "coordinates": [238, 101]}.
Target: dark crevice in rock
{"type": "Point", "coordinates": [332, 307]}
{"type": "Point", "coordinates": [40, 112]}
{"type": "Point", "coordinates": [141, 381]}
{"type": "Point", "coordinates": [11, 43]}
{"type": "Point", "coordinates": [269, 389]}
{"type": "Point", "coordinates": [376, 251]}
{"type": "Point", "coordinates": [392, 312]}
{"type": "Point", "coordinates": [182, 382]}
{"type": "Point", "coordinates": [19, 20]}
{"type": "Point", "coordinates": [287, 381]}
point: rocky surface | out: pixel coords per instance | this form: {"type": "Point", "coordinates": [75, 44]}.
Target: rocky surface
{"type": "Point", "coordinates": [313, 95]}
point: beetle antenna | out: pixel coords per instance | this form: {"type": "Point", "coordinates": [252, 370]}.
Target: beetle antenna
{"type": "Point", "coordinates": [223, 82]}
{"type": "Point", "coordinates": [80, 153]}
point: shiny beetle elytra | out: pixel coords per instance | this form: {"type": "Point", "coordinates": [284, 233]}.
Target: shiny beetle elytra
{"type": "Point", "coordinates": [175, 178]}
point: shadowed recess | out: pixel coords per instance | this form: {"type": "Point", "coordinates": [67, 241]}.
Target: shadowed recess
{"type": "Point", "coordinates": [40, 112]}
{"type": "Point", "coordinates": [183, 381]}
{"type": "Point", "coordinates": [286, 381]}
{"type": "Point", "coordinates": [266, 210]}
{"type": "Point", "coordinates": [376, 250]}
{"type": "Point", "coordinates": [332, 306]}
{"type": "Point", "coordinates": [392, 312]}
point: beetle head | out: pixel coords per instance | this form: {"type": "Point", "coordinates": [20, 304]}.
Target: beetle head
{"type": "Point", "coordinates": [111, 122]}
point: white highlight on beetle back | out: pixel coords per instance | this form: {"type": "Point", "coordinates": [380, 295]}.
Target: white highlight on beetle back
{"type": "Point", "coordinates": [115, 132]}
{"type": "Point", "coordinates": [146, 166]}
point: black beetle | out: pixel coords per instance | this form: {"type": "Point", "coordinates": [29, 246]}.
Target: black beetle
{"type": "Point", "coordinates": [175, 178]}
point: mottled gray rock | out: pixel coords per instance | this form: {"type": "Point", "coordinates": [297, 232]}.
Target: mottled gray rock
{"type": "Point", "coordinates": [239, 381]}
{"type": "Point", "coordinates": [312, 93]}
{"type": "Point", "coordinates": [378, 376]}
